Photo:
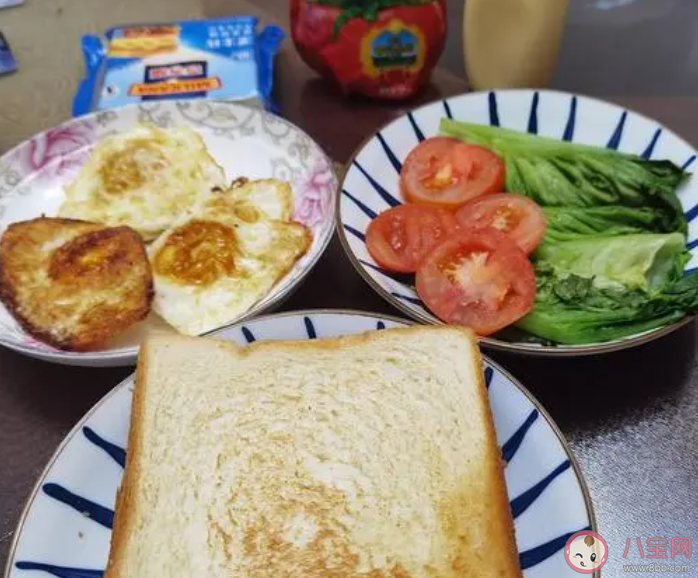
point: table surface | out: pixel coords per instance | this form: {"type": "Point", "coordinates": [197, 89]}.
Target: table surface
{"type": "Point", "coordinates": [629, 416]}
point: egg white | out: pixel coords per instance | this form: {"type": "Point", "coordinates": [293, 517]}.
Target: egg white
{"type": "Point", "coordinates": [265, 250]}
{"type": "Point", "coordinates": [144, 179]}
{"type": "Point", "coordinates": [274, 198]}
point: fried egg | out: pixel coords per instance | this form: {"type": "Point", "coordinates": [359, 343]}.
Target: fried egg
{"type": "Point", "coordinates": [218, 261]}
{"type": "Point", "coordinates": [143, 179]}
{"type": "Point", "coordinates": [74, 284]}
{"type": "Point", "coordinates": [274, 198]}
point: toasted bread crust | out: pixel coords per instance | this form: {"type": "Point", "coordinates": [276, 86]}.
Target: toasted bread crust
{"type": "Point", "coordinates": [501, 514]}
{"type": "Point", "coordinates": [126, 506]}
{"type": "Point", "coordinates": [84, 262]}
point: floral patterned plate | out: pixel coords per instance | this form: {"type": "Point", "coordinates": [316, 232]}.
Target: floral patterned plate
{"type": "Point", "coordinates": [243, 140]}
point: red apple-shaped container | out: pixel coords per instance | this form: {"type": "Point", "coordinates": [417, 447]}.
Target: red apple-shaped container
{"type": "Point", "coordinates": [380, 48]}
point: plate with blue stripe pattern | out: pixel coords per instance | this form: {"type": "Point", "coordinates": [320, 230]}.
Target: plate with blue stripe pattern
{"type": "Point", "coordinates": [371, 181]}
{"type": "Point", "coordinates": [66, 526]}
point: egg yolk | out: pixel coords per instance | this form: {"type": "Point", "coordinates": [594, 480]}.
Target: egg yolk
{"type": "Point", "coordinates": [90, 256]}
{"type": "Point", "coordinates": [198, 253]}
{"type": "Point", "coordinates": [129, 168]}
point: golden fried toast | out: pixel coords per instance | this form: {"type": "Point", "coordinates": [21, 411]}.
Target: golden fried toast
{"type": "Point", "coordinates": [74, 284]}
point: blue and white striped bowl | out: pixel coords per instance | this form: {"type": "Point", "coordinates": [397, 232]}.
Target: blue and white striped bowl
{"type": "Point", "coordinates": [371, 182]}
{"type": "Point", "coordinates": [66, 526]}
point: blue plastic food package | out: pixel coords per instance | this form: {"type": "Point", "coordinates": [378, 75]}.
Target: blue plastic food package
{"type": "Point", "coordinates": [222, 59]}
{"type": "Point", "coordinates": [7, 60]}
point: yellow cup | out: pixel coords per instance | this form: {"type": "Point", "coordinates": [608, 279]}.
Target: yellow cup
{"type": "Point", "coordinates": [512, 43]}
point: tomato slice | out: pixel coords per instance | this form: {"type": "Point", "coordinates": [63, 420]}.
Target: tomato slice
{"type": "Point", "coordinates": [400, 238]}
{"type": "Point", "coordinates": [480, 279]}
{"type": "Point", "coordinates": [517, 216]}
{"type": "Point", "coordinates": [445, 172]}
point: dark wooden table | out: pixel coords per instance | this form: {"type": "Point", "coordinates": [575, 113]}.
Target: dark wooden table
{"type": "Point", "coordinates": [630, 417]}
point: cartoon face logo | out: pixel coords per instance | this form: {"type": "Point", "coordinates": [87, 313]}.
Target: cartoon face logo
{"type": "Point", "coordinates": [586, 552]}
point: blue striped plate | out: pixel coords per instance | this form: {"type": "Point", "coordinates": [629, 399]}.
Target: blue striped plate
{"type": "Point", "coordinates": [66, 526]}
{"type": "Point", "coordinates": [370, 184]}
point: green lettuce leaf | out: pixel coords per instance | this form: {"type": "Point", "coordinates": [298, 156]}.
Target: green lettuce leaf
{"type": "Point", "coordinates": [612, 259]}
{"type": "Point", "coordinates": [573, 311]}
{"type": "Point", "coordinates": [596, 289]}
{"type": "Point", "coordinates": [645, 262]}
{"type": "Point", "coordinates": [566, 223]}
{"type": "Point", "coordinates": [562, 174]}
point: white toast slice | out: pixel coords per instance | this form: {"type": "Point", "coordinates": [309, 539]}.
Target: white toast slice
{"type": "Point", "coordinates": [370, 456]}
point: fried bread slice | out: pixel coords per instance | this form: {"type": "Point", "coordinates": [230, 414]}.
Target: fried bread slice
{"type": "Point", "coordinates": [74, 284]}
